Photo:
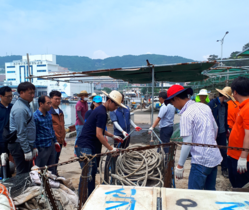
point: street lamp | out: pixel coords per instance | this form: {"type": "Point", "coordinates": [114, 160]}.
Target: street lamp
{"type": "Point", "coordinates": [222, 40]}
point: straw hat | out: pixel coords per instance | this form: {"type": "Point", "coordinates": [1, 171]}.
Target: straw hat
{"type": "Point", "coordinates": [203, 92]}
{"type": "Point", "coordinates": [83, 93]}
{"type": "Point", "coordinates": [92, 96]}
{"type": "Point", "coordinates": [116, 97]}
{"type": "Point", "coordinates": [226, 91]}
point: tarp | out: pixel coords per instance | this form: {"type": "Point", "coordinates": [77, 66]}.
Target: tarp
{"type": "Point", "coordinates": [181, 72]}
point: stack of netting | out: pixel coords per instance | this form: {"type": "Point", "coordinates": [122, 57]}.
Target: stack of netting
{"type": "Point", "coordinates": [139, 168]}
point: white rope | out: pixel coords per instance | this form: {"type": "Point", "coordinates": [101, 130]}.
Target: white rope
{"type": "Point", "coordinates": [137, 168]}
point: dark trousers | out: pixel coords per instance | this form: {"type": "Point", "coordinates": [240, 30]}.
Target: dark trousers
{"type": "Point", "coordinates": [57, 157]}
{"type": "Point", "coordinates": [125, 144]}
{"type": "Point", "coordinates": [46, 156]}
{"type": "Point", "coordinates": [222, 140]}
{"type": "Point", "coordinates": [22, 166]}
{"type": "Point", "coordinates": [4, 149]}
{"type": "Point", "coordinates": [237, 180]}
{"type": "Point", "coordinates": [165, 135]}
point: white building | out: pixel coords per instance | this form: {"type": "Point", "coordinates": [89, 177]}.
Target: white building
{"type": "Point", "coordinates": [17, 71]}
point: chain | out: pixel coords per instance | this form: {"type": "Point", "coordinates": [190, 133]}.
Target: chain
{"type": "Point", "coordinates": [81, 158]}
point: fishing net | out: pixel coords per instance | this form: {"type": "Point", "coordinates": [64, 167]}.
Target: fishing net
{"type": "Point", "coordinates": [18, 184]}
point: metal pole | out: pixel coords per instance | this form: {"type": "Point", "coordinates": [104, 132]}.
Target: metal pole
{"type": "Point", "coordinates": [152, 104]}
{"type": "Point", "coordinates": [221, 52]}
{"type": "Point", "coordinates": [33, 105]}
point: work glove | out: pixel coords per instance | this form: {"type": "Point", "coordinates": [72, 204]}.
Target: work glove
{"type": "Point", "coordinates": [57, 147]}
{"type": "Point", "coordinates": [179, 172]}
{"type": "Point", "coordinates": [150, 130]}
{"type": "Point", "coordinates": [28, 156]}
{"type": "Point", "coordinates": [242, 165]}
{"type": "Point", "coordinates": [35, 153]}
{"type": "Point", "coordinates": [138, 128]}
{"type": "Point", "coordinates": [114, 149]}
{"type": "Point", "coordinates": [125, 134]}
{"type": "Point", "coordinates": [65, 143]}
{"type": "Point", "coordinates": [118, 139]}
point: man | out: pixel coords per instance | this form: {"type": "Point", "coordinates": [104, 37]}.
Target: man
{"type": "Point", "coordinates": [22, 121]}
{"type": "Point", "coordinates": [81, 109]}
{"type": "Point", "coordinates": [58, 122]}
{"type": "Point", "coordinates": [92, 135]}
{"type": "Point", "coordinates": [121, 123]}
{"type": "Point", "coordinates": [219, 109]}
{"type": "Point", "coordinates": [5, 107]}
{"type": "Point", "coordinates": [197, 125]}
{"type": "Point", "coordinates": [45, 135]}
{"type": "Point", "coordinates": [166, 119]}
{"type": "Point", "coordinates": [239, 137]}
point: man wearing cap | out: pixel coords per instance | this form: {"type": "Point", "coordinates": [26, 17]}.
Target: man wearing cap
{"type": "Point", "coordinates": [92, 135]}
{"type": "Point", "coordinates": [202, 97]}
{"type": "Point", "coordinates": [166, 118]}
{"type": "Point", "coordinates": [238, 161]}
{"type": "Point", "coordinates": [219, 109]}
{"type": "Point", "coordinates": [122, 123]}
{"type": "Point", "coordinates": [197, 125]}
{"type": "Point", "coordinates": [81, 109]}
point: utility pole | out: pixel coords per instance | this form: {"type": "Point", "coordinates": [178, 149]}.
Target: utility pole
{"type": "Point", "coordinates": [33, 106]}
{"type": "Point", "coordinates": [222, 40]}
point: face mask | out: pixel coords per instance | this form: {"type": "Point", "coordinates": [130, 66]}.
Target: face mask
{"type": "Point", "coordinates": [86, 99]}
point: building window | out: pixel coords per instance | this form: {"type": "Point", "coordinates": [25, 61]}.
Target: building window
{"type": "Point", "coordinates": [40, 79]}
{"type": "Point", "coordinates": [41, 65]}
{"type": "Point", "coordinates": [11, 67]}
{"type": "Point", "coordinates": [11, 72]}
{"type": "Point", "coordinates": [11, 79]}
{"type": "Point", "coordinates": [41, 70]}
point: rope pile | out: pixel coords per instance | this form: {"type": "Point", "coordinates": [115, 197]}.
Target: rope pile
{"type": "Point", "coordinates": [137, 168]}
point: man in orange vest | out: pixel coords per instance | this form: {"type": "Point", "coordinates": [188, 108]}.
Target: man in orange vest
{"type": "Point", "coordinates": [238, 160]}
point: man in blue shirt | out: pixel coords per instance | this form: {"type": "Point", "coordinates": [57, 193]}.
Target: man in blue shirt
{"type": "Point", "coordinates": [5, 107]}
{"type": "Point", "coordinates": [45, 136]}
{"type": "Point", "coordinates": [166, 119]}
{"type": "Point", "coordinates": [122, 123]}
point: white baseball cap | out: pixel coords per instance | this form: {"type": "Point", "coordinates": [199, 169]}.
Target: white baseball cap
{"type": "Point", "coordinates": [203, 92]}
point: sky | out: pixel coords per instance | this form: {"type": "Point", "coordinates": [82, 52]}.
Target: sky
{"type": "Point", "coordinates": [101, 29]}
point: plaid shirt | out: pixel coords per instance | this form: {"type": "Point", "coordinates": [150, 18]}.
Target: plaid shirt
{"type": "Point", "coordinates": [44, 129]}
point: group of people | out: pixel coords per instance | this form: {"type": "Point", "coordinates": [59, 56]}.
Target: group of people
{"type": "Point", "coordinates": [32, 138]}
{"type": "Point", "coordinates": [225, 118]}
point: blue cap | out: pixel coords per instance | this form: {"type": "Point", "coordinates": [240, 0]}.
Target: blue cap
{"type": "Point", "coordinates": [97, 99]}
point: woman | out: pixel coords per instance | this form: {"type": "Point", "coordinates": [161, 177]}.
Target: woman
{"type": "Point", "coordinates": [202, 97]}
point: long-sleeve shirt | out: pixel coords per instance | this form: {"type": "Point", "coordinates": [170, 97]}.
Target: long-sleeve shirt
{"type": "Point", "coordinates": [4, 118]}
{"type": "Point", "coordinates": [19, 116]}
{"type": "Point", "coordinates": [44, 129]}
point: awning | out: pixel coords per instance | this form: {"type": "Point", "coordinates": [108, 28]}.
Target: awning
{"type": "Point", "coordinates": [182, 72]}
{"type": "Point", "coordinates": [244, 53]}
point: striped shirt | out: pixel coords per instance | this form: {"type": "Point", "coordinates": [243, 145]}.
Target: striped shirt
{"type": "Point", "coordinates": [197, 121]}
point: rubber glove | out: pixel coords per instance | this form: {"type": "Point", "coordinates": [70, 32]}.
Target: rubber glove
{"type": "Point", "coordinates": [242, 165]}
{"type": "Point", "coordinates": [114, 149]}
{"type": "Point", "coordinates": [118, 139]}
{"type": "Point", "coordinates": [125, 134]}
{"type": "Point", "coordinates": [179, 172]}
{"type": "Point", "coordinates": [28, 156]}
{"type": "Point", "coordinates": [150, 130]}
{"type": "Point", "coordinates": [57, 147]}
{"type": "Point", "coordinates": [65, 143]}
{"type": "Point", "coordinates": [35, 153]}
{"type": "Point", "coordinates": [138, 128]}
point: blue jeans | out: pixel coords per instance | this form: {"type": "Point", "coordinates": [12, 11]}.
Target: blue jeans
{"type": "Point", "coordinates": [92, 169]}
{"type": "Point", "coordinates": [78, 132]}
{"type": "Point", "coordinates": [165, 135]}
{"type": "Point", "coordinates": [202, 177]}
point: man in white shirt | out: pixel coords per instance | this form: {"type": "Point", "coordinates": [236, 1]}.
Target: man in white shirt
{"type": "Point", "coordinates": [197, 125]}
{"type": "Point", "coordinates": [166, 119]}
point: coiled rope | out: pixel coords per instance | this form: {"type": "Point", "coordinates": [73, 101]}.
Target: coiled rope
{"type": "Point", "coordinates": [137, 168]}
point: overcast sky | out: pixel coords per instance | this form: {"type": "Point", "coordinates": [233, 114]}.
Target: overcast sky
{"type": "Point", "coordinates": [100, 29]}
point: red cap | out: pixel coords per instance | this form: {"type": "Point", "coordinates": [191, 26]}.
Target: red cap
{"type": "Point", "coordinates": [174, 89]}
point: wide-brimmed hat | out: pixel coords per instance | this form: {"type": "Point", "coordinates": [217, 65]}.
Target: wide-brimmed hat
{"type": "Point", "coordinates": [175, 90]}
{"type": "Point", "coordinates": [116, 97]}
{"type": "Point", "coordinates": [97, 99]}
{"type": "Point", "coordinates": [203, 92]}
{"type": "Point", "coordinates": [92, 96]}
{"type": "Point", "coordinates": [226, 91]}
{"type": "Point", "coordinates": [83, 93]}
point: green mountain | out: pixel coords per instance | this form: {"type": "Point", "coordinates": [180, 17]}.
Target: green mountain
{"type": "Point", "coordinates": [82, 63]}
